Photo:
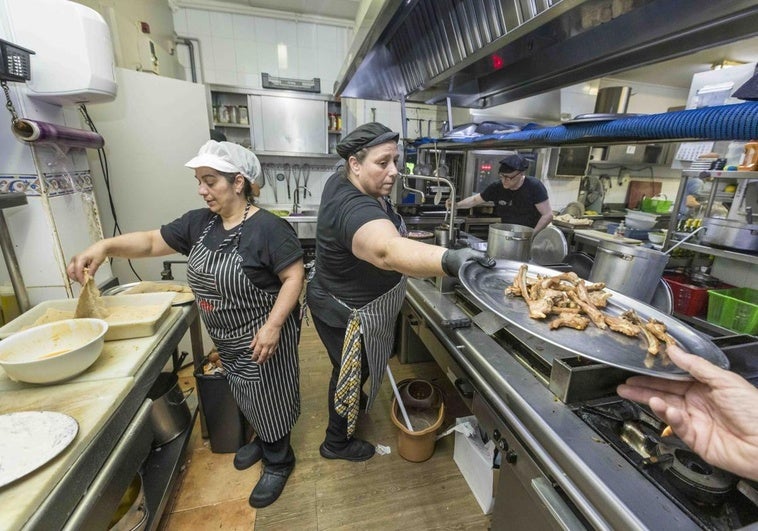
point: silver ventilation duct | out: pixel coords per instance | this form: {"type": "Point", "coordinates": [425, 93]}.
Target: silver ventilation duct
{"type": "Point", "coordinates": [481, 53]}
{"type": "Point", "coordinates": [612, 100]}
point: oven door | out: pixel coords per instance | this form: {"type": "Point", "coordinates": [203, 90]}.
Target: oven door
{"type": "Point", "coordinates": [525, 498]}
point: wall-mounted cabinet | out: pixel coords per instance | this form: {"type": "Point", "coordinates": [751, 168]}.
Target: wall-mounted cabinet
{"type": "Point", "coordinates": [276, 123]}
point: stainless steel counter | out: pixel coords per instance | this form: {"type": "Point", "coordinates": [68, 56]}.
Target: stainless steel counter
{"type": "Point", "coordinates": [593, 479]}
{"type": "Point", "coordinates": [88, 492]}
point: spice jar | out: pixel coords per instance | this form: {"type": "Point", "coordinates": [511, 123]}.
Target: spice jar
{"type": "Point", "coordinates": [244, 117]}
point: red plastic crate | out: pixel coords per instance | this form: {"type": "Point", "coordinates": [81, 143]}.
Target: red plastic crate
{"type": "Point", "coordinates": [689, 298]}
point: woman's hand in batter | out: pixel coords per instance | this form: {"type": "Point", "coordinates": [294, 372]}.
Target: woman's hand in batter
{"type": "Point", "coordinates": [265, 342]}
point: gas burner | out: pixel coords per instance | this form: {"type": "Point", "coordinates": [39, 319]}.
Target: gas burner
{"type": "Point", "coordinates": [702, 482]}
{"type": "Point", "coordinates": [714, 498]}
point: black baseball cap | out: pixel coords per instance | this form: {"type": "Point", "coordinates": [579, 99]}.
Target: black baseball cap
{"type": "Point", "coordinates": [367, 135]}
{"type": "Point", "coordinates": [513, 163]}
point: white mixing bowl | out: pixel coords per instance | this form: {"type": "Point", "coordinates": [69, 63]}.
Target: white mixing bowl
{"type": "Point", "coordinates": [54, 351]}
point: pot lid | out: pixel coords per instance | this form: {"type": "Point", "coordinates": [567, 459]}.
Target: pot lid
{"type": "Point", "coordinates": [549, 246]}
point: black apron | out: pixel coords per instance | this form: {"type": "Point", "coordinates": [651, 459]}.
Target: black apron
{"type": "Point", "coordinates": [233, 309]}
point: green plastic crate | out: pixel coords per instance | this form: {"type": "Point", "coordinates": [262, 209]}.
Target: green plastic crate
{"type": "Point", "coordinates": [735, 309]}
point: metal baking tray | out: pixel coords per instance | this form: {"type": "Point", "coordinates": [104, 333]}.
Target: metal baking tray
{"type": "Point", "coordinates": [488, 287]}
{"type": "Point", "coordinates": [180, 298]}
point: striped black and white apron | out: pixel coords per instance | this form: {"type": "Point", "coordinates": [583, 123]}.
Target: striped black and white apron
{"type": "Point", "coordinates": [233, 309]}
{"type": "Point", "coordinates": [377, 330]}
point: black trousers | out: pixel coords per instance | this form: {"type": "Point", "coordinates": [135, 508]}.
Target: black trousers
{"type": "Point", "coordinates": [277, 455]}
{"type": "Point", "coordinates": [333, 338]}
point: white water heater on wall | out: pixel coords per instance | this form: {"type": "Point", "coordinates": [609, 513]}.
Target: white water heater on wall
{"type": "Point", "coordinates": [73, 61]}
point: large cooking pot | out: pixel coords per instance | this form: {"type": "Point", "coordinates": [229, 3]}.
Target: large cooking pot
{"type": "Point", "coordinates": [170, 414]}
{"type": "Point", "coordinates": [730, 234]}
{"type": "Point", "coordinates": [509, 241]}
{"type": "Point", "coordinates": [629, 269]}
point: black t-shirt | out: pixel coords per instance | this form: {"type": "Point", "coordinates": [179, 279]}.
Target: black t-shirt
{"type": "Point", "coordinates": [344, 210]}
{"type": "Point", "coordinates": [517, 206]}
{"type": "Point", "coordinates": [268, 244]}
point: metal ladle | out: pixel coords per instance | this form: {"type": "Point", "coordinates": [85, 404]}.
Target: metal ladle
{"type": "Point", "coordinates": [680, 242]}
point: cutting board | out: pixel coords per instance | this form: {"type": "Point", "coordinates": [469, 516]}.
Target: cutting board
{"type": "Point", "coordinates": [639, 189]}
{"type": "Point", "coordinates": [597, 235]}
{"type": "Point", "coordinates": [118, 359]}
{"type": "Point", "coordinates": [90, 403]}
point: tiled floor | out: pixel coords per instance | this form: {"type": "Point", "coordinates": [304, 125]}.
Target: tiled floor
{"type": "Point", "coordinates": [386, 492]}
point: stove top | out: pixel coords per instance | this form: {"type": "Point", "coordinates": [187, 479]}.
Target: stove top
{"type": "Point", "coordinates": [714, 498]}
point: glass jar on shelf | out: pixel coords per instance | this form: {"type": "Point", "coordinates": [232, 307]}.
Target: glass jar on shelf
{"type": "Point", "coordinates": [244, 117]}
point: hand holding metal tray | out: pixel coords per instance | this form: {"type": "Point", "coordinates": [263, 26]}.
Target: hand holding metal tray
{"type": "Point", "coordinates": [605, 346]}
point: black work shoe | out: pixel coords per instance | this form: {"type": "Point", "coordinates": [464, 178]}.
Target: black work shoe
{"type": "Point", "coordinates": [248, 455]}
{"type": "Point", "coordinates": [269, 487]}
{"type": "Point", "coordinates": [356, 450]}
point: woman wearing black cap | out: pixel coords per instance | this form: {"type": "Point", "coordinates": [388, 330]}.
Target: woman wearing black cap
{"type": "Point", "coordinates": [359, 281]}
{"type": "Point", "coordinates": [518, 199]}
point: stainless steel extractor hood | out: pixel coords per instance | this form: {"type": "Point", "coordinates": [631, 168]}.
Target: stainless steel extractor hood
{"type": "Point", "coordinates": [481, 53]}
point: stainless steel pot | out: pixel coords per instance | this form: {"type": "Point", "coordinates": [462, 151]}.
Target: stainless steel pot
{"type": "Point", "coordinates": [442, 235]}
{"type": "Point", "coordinates": [509, 241]}
{"type": "Point", "coordinates": [170, 414]}
{"type": "Point", "coordinates": [632, 270]}
{"type": "Point", "coordinates": [730, 234]}
{"type": "Point", "coordinates": [132, 512]}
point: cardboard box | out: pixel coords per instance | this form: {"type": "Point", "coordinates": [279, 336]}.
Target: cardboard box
{"type": "Point", "coordinates": [475, 460]}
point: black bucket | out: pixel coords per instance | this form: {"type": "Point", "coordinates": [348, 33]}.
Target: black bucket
{"type": "Point", "coordinates": [170, 414]}
{"type": "Point", "coordinates": [227, 427]}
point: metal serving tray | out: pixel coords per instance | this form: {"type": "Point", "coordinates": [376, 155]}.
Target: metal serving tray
{"type": "Point", "coordinates": [605, 346]}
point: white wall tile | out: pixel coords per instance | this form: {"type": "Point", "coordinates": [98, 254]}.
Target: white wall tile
{"type": "Point", "coordinates": [210, 75]}
{"type": "Point", "coordinates": [265, 30]}
{"type": "Point", "coordinates": [250, 80]}
{"type": "Point", "coordinates": [224, 54]}
{"type": "Point", "coordinates": [306, 35]}
{"type": "Point", "coordinates": [329, 63]}
{"type": "Point", "coordinates": [180, 21]}
{"type": "Point", "coordinates": [226, 77]}
{"type": "Point", "coordinates": [290, 67]}
{"type": "Point", "coordinates": [244, 27]}
{"type": "Point", "coordinates": [247, 56]}
{"type": "Point", "coordinates": [198, 22]}
{"type": "Point", "coordinates": [221, 25]}
{"type": "Point", "coordinates": [267, 58]}
{"type": "Point", "coordinates": [307, 62]}
{"type": "Point", "coordinates": [206, 55]}
{"type": "Point", "coordinates": [286, 33]}
{"type": "Point", "coordinates": [326, 37]}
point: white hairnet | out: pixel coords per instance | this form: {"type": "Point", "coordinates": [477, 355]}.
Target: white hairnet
{"type": "Point", "coordinates": [227, 157]}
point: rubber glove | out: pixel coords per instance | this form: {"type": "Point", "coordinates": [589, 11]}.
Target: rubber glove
{"type": "Point", "coordinates": [453, 260]}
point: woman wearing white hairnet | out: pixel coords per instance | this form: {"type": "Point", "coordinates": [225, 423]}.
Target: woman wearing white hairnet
{"type": "Point", "coordinates": [245, 268]}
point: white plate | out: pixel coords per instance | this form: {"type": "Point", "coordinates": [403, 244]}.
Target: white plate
{"type": "Point", "coordinates": [29, 439]}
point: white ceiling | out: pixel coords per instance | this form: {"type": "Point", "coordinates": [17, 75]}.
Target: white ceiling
{"type": "Point", "coordinates": [344, 9]}
{"type": "Point", "coordinates": [674, 73]}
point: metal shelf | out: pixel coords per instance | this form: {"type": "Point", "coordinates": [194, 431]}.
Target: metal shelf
{"type": "Point", "coordinates": [733, 255]}
{"type": "Point", "coordinates": [237, 126]}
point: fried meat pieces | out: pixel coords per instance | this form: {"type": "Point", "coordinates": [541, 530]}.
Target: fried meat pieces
{"type": "Point", "coordinates": [577, 303]}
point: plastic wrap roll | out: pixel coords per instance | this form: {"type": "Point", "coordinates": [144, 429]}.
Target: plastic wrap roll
{"type": "Point", "coordinates": [35, 132]}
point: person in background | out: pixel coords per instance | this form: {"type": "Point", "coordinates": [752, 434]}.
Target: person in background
{"type": "Point", "coordinates": [246, 271]}
{"type": "Point", "coordinates": [355, 293]}
{"type": "Point", "coordinates": [519, 199]}
{"type": "Point", "coordinates": [689, 205]}
{"type": "Point", "coordinates": [715, 415]}
{"type": "Point", "coordinates": [594, 193]}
